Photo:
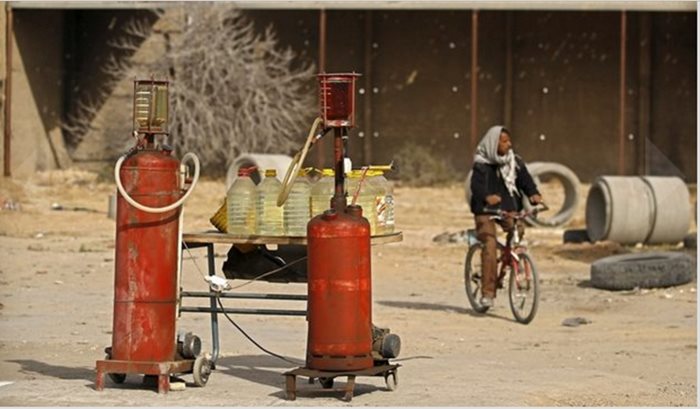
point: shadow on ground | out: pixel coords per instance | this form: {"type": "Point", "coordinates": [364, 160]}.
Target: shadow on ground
{"type": "Point", "coordinates": [269, 370]}
{"type": "Point", "coordinates": [447, 308]}
{"type": "Point", "coordinates": [425, 306]}
{"type": "Point", "coordinates": [587, 252]}
{"type": "Point", "coordinates": [32, 367]}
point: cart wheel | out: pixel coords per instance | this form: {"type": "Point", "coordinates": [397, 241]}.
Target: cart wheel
{"type": "Point", "coordinates": [201, 371]}
{"type": "Point", "coordinates": [117, 378]}
{"type": "Point", "coordinates": [392, 381]}
{"type": "Point", "coordinates": [326, 383]}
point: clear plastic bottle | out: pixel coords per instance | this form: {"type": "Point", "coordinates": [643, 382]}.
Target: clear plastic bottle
{"type": "Point", "coordinates": [366, 199]}
{"type": "Point", "coordinates": [269, 217]}
{"type": "Point", "coordinates": [240, 202]}
{"type": "Point", "coordinates": [385, 203]}
{"type": "Point", "coordinates": [322, 191]}
{"type": "Point", "coordinates": [297, 209]}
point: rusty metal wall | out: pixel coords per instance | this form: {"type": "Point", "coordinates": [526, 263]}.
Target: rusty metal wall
{"type": "Point", "coordinates": [673, 132]}
{"type": "Point", "coordinates": [565, 96]}
{"type": "Point", "coordinates": [553, 77]}
{"type": "Point", "coordinates": [558, 88]}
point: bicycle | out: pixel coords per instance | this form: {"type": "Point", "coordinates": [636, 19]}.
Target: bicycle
{"type": "Point", "coordinates": [513, 260]}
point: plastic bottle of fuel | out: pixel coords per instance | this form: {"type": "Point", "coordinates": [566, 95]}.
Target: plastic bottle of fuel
{"type": "Point", "coordinates": [322, 191]}
{"type": "Point", "coordinates": [366, 198]}
{"type": "Point", "coordinates": [240, 200]}
{"type": "Point", "coordinates": [297, 209]}
{"type": "Point", "coordinates": [384, 202]}
{"type": "Point", "coordinates": [269, 217]}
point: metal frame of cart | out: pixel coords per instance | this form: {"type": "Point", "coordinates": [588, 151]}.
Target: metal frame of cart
{"type": "Point", "coordinates": [208, 239]}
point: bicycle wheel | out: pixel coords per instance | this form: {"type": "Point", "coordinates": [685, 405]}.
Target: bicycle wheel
{"type": "Point", "coordinates": [472, 277]}
{"type": "Point", "coordinates": [523, 290]}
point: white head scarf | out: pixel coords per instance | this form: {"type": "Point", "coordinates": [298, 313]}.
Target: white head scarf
{"type": "Point", "coordinates": [487, 152]}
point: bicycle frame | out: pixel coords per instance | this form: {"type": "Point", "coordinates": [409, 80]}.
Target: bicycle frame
{"type": "Point", "coordinates": [510, 255]}
{"type": "Point", "coordinates": [513, 248]}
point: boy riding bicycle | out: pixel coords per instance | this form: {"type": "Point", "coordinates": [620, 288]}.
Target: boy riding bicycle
{"type": "Point", "coordinates": [499, 178]}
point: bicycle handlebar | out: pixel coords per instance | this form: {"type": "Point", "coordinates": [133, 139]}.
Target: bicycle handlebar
{"type": "Point", "coordinates": [502, 214]}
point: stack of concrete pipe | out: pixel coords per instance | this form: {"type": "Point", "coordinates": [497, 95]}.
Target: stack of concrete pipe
{"type": "Point", "coordinates": [638, 209]}
{"type": "Point", "coordinates": [545, 170]}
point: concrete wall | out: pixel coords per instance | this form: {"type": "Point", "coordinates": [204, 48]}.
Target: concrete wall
{"type": "Point", "coordinates": [36, 91]}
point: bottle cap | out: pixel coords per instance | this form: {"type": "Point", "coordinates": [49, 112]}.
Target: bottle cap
{"type": "Point", "coordinates": [247, 171]}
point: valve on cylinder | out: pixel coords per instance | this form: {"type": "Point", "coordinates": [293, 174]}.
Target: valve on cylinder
{"type": "Point", "coordinates": [150, 195]}
{"type": "Point", "coordinates": [341, 336]}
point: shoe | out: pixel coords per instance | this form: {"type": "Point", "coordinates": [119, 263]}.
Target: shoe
{"type": "Point", "coordinates": [486, 301]}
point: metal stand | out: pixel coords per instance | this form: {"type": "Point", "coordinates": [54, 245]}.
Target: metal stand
{"type": "Point", "coordinates": [119, 369]}
{"type": "Point", "coordinates": [382, 368]}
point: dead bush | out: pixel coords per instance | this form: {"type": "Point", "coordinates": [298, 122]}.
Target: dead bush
{"type": "Point", "coordinates": [419, 166]}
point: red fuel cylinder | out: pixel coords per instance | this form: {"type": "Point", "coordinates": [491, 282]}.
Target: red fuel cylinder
{"type": "Point", "coordinates": [145, 279]}
{"type": "Point", "coordinates": [339, 292]}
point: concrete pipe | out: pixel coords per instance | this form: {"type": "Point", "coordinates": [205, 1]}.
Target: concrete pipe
{"type": "Point", "coordinates": [619, 209]}
{"type": "Point", "coordinates": [671, 220]}
{"type": "Point", "coordinates": [262, 161]}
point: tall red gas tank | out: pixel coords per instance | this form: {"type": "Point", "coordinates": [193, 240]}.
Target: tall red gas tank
{"type": "Point", "coordinates": [339, 291]}
{"type": "Point", "coordinates": [146, 252]}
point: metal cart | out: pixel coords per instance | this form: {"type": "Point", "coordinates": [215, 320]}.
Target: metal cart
{"type": "Point", "coordinates": [208, 240]}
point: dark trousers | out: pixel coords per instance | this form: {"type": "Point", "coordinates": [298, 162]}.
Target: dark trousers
{"type": "Point", "coordinates": [486, 233]}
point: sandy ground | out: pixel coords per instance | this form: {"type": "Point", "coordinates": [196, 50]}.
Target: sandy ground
{"type": "Point", "coordinates": [56, 278]}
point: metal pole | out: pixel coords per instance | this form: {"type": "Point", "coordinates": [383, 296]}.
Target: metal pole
{"type": "Point", "coordinates": [7, 157]}
{"type": "Point", "coordinates": [339, 200]}
{"type": "Point", "coordinates": [474, 73]}
{"type": "Point", "coordinates": [367, 143]}
{"type": "Point", "coordinates": [623, 79]}
{"type": "Point", "coordinates": [322, 41]}
{"type": "Point", "coordinates": [644, 92]}
{"type": "Point", "coordinates": [508, 93]}
{"type": "Point", "coordinates": [320, 159]}
{"type": "Point", "coordinates": [213, 306]}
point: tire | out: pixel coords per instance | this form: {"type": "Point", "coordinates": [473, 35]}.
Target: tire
{"type": "Point", "coordinates": [392, 381]}
{"type": "Point", "coordinates": [648, 270]}
{"type": "Point", "coordinates": [524, 290]}
{"type": "Point", "coordinates": [468, 187]}
{"type": "Point", "coordinates": [201, 371]}
{"type": "Point", "coordinates": [576, 236]}
{"type": "Point", "coordinates": [472, 277]}
{"type": "Point", "coordinates": [326, 383]}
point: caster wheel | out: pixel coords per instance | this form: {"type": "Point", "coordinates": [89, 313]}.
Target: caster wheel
{"type": "Point", "coordinates": [326, 383]}
{"type": "Point", "coordinates": [201, 371]}
{"type": "Point", "coordinates": [392, 381]}
{"type": "Point", "coordinates": [117, 378]}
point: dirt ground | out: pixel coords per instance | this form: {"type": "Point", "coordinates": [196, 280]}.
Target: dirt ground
{"type": "Point", "coordinates": [56, 292]}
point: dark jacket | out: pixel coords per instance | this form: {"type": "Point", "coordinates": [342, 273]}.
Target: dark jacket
{"type": "Point", "coordinates": [486, 181]}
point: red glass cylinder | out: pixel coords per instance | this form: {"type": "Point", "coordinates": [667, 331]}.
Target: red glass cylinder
{"type": "Point", "coordinates": [337, 99]}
